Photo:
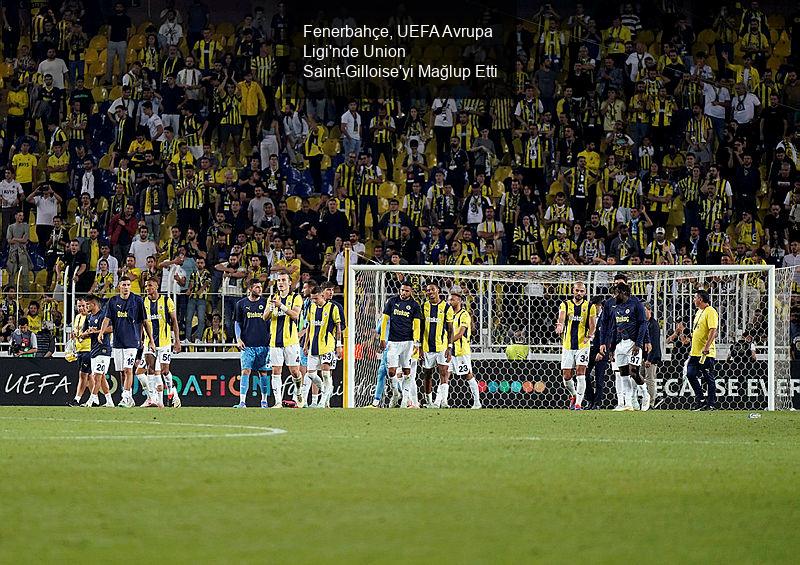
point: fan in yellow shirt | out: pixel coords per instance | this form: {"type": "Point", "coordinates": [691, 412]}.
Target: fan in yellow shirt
{"type": "Point", "coordinates": [704, 351]}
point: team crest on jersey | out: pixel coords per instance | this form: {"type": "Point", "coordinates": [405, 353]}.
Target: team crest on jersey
{"type": "Point", "coordinates": [627, 310]}
{"type": "Point", "coordinates": [260, 306]}
{"type": "Point", "coordinates": [408, 307]}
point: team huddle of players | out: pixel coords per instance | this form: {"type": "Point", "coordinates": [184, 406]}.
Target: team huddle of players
{"type": "Point", "coordinates": [438, 333]}
{"type": "Point", "coordinates": [302, 333]}
{"type": "Point", "coordinates": [619, 330]}
{"type": "Point", "coordinates": [269, 333]}
{"type": "Point", "coordinates": [115, 331]}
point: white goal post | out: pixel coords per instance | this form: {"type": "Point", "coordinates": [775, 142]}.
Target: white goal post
{"type": "Point", "coordinates": [516, 352]}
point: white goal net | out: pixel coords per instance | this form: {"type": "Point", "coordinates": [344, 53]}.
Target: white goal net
{"type": "Point", "coordinates": [516, 353]}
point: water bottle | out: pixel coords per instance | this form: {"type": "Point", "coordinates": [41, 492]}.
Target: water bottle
{"type": "Point", "coordinates": [754, 416]}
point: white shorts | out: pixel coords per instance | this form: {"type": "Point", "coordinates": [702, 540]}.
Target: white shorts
{"type": "Point", "coordinates": [289, 356]}
{"type": "Point", "coordinates": [571, 358]}
{"type": "Point", "coordinates": [163, 355]}
{"type": "Point", "coordinates": [100, 364]}
{"type": "Point", "coordinates": [623, 356]}
{"type": "Point", "coordinates": [399, 353]}
{"type": "Point", "coordinates": [317, 361]}
{"type": "Point", "coordinates": [431, 359]}
{"type": "Point", "coordinates": [461, 365]}
{"type": "Point", "coordinates": [123, 358]}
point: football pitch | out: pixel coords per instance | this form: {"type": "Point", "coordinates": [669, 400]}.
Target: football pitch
{"type": "Point", "coordinates": [383, 486]}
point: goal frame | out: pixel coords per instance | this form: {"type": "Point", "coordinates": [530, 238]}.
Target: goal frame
{"type": "Point", "coordinates": [351, 306]}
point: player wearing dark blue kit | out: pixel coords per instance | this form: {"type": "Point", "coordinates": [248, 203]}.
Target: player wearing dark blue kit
{"type": "Point", "coordinates": [252, 338]}
{"type": "Point", "coordinates": [125, 315]}
{"type": "Point", "coordinates": [400, 333]}
{"type": "Point", "coordinates": [100, 349]}
{"type": "Point", "coordinates": [600, 349]}
{"type": "Point", "coordinates": [628, 336]}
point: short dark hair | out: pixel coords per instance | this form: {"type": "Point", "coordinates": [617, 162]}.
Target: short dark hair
{"type": "Point", "coordinates": [703, 295]}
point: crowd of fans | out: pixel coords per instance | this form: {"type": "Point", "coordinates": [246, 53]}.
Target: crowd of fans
{"type": "Point", "coordinates": [191, 150]}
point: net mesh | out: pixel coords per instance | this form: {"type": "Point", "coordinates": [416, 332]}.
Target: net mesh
{"type": "Point", "coordinates": [516, 353]}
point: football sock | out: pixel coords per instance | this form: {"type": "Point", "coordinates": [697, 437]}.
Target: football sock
{"type": "Point", "coordinates": [618, 388]}
{"type": "Point", "coordinates": [327, 387]}
{"type": "Point", "coordinates": [631, 392]}
{"type": "Point", "coordinates": [155, 383]}
{"type": "Point", "coordinates": [263, 384]}
{"type": "Point", "coordinates": [570, 386]}
{"type": "Point", "coordinates": [445, 392]}
{"type": "Point", "coordinates": [169, 386]}
{"type": "Point", "coordinates": [580, 389]}
{"type": "Point", "coordinates": [395, 387]}
{"type": "Point", "coordinates": [644, 392]}
{"type": "Point", "coordinates": [414, 391]}
{"type": "Point", "coordinates": [429, 396]}
{"type": "Point", "coordinates": [627, 393]}
{"type": "Point", "coordinates": [473, 386]}
{"type": "Point", "coordinates": [94, 400]}
{"type": "Point", "coordinates": [306, 387]}
{"type": "Point", "coordinates": [298, 387]}
{"type": "Point", "coordinates": [406, 390]}
{"type": "Point", "coordinates": [77, 398]}
{"type": "Point", "coordinates": [380, 388]}
{"type": "Point", "coordinates": [244, 387]}
{"type": "Point", "coordinates": [144, 381]}
{"type": "Point", "coordinates": [277, 389]}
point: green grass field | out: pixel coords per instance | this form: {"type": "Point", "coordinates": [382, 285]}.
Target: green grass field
{"type": "Point", "coordinates": [369, 486]}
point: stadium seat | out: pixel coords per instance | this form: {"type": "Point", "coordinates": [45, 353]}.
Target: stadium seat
{"type": "Point", "coordinates": [98, 42]}
{"type": "Point", "coordinates": [774, 63]}
{"type": "Point", "coordinates": [387, 190]}
{"type": "Point", "coordinates": [100, 94]}
{"type": "Point", "coordinates": [293, 203]}
{"type": "Point", "coordinates": [498, 189]}
{"type": "Point", "coordinates": [502, 173]}
{"type": "Point", "coordinates": [331, 147]}
{"type": "Point", "coordinates": [225, 28]}
{"type": "Point", "coordinates": [776, 21]}
{"type": "Point", "coordinates": [91, 56]}
{"type": "Point", "coordinates": [383, 206]}
{"type": "Point", "coordinates": [138, 41]}
{"type": "Point", "coordinates": [707, 36]}
{"type": "Point", "coordinates": [646, 36]}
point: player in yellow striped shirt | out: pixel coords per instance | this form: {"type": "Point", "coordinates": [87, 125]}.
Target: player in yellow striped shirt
{"type": "Point", "coordinates": [576, 326]}
{"type": "Point", "coordinates": [437, 327]}
{"type": "Point", "coordinates": [83, 352]}
{"type": "Point", "coordinates": [461, 363]}
{"type": "Point", "coordinates": [283, 313]}
{"type": "Point", "coordinates": [160, 310]}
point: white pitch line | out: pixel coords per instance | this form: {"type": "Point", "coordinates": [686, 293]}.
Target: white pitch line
{"type": "Point", "coordinates": [257, 431]}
